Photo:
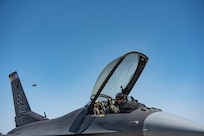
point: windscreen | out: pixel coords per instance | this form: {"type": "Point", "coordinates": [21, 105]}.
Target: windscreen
{"type": "Point", "coordinates": [120, 77]}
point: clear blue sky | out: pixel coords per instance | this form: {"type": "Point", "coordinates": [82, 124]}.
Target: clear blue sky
{"type": "Point", "coordinates": [62, 46]}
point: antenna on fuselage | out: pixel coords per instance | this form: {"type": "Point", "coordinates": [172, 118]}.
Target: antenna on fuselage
{"type": "Point", "coordinates": [45, 115]}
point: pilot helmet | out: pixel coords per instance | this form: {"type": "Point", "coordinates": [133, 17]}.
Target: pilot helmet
{"type": "Point", "coordinates": [119, 96]}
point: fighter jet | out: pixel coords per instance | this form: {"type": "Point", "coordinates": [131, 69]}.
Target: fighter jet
{"type": "Point", "coordinates": [110, 111]}
{"type": "Point", "coordinates": [34, 85]}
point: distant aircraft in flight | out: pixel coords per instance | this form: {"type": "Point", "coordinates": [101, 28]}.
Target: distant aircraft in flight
{"type": "Point", "coordinates": [34, 85]}
{"type": "Point", "coordinates": [110, 112]}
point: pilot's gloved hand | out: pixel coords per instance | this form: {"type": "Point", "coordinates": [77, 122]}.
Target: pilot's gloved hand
{"type": "Point", "coordinates": [114, 109]}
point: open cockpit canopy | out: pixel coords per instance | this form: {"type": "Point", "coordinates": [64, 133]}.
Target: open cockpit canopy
{"type": "Point", "coordinates": [119, 75]}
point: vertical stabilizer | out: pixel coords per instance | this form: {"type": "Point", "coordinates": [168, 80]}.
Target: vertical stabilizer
{"type": "Point", "coordinates": [24, 115]}
{"type": "Point", "coordinates": [19, 98]}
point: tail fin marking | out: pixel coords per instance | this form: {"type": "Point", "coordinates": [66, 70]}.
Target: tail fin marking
{"type": "Point", "coordinates": [24, 115]}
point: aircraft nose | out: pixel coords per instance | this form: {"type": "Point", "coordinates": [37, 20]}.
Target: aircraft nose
{"type": "Point", "coordinates": [165, 124]}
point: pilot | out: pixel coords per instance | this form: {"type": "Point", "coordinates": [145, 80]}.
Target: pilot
{"type": "Point", "coordinates": [124, 105]}
{"type": "Point", "coordinates": [120, 98]}
{"type": "Point", "coordinates": [117, 106]}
